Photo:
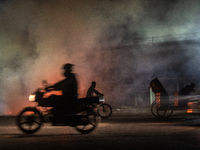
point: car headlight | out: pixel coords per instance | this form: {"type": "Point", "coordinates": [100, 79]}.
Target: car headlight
{"type": "Point", "coordinates": [32, 98]}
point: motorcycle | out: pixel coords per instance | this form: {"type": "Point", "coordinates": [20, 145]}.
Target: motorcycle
{"type": "Point", "coordinates": [83, 117]}
{"type": "Point", "coordinates": [104, 110]}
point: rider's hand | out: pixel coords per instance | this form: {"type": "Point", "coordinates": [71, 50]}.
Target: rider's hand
{"type": "Point", "coordinates": [47, 88]}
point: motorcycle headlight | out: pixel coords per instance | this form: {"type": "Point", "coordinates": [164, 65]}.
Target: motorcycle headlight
{"type": "Point", "coordinates": [101, 99]}
{"type": "Point", "coordinates": [32, 98]}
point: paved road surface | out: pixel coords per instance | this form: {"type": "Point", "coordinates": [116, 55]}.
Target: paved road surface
{"type": "Point", "coordinates": [121, 131]}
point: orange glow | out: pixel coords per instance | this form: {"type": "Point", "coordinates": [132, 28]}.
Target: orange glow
{"type": "Point", "coordinates": [176, 98]}
{"type": "Point", "coordinates": [189, 111]}
{"type": "Point", "coordinates": [46, 95]}
{"type": "Point", "coordinates": [29, 112]}
{"type": "Point", "coordinates": [157, 99]}
{"type": "Point", "coordinates": [190, 103]}
{"type": "Point", "coordinates": [8, 113]}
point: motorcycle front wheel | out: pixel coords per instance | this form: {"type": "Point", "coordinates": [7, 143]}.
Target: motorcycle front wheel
{"type": "Point", "coordinates": [104, 111]}
{"type": "Point", "coordinates": [29, 120]}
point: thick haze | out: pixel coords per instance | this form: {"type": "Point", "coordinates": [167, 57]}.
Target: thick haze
{"type": "Point", "coordinates": [120, 44]}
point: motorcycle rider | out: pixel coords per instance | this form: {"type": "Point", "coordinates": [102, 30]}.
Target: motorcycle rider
{"type": "Point", "coordinates": [185, 92]}
{"type": "Point", "coordinates": [68, 85]}
{"type": "Point", "coordinates": [66, 101]}
{"type": "Point", "coordinates": [92, 90]}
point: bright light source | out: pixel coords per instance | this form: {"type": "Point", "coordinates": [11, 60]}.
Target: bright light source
{"type": "Point", "coordinates": [32, 98]}
{"type": "Point", "coordinates": [101, 99]}
{"type": "Point", "coordinates": [189, 111]}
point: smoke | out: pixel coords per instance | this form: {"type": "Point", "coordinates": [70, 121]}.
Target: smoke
{"type": "Point", "coordinates": [108, 41]}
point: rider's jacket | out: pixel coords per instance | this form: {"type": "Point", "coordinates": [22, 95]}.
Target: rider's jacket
{"type": "Point", "coordinates": [68, 86]}
{"type": "Point", "coordinates": [91, 91]}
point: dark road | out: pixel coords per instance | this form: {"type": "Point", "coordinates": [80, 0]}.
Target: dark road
{"type": "Point", "coordinates": [117, 132]}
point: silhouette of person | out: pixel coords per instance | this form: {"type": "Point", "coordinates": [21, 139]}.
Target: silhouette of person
{"type": "Point", "coordinates": [66, 101]}
{"type": "Point", "coordinates": [92, 90]}
{"type": "Point", "coordinates": [68, 85]}
{"type": "Point", "coordinates": [186, 91]}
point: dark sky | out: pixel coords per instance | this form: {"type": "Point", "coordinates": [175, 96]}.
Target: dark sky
{"type": "Point", "coordinates": [115, 42]}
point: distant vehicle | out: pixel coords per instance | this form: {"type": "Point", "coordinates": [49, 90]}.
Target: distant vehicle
{"type": "Point", "coordinates": [103, 109]}
{"type": "Point", "coordinates": [163, 107]}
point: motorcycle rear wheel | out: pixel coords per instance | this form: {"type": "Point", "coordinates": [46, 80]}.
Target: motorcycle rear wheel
{"type": "Point", "coordinates": [29, 120]}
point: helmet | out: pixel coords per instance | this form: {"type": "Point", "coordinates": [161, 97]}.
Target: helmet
{"type": "Point", "coordinates": [68, 66]}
